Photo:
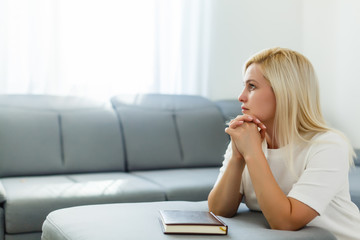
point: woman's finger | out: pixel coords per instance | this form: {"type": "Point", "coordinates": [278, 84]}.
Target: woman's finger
{"type": "Point", "coordinates": [236, 124]}
{"type": "Point", "coordinates": [249, 118]}
{"type": "Point", "coordinates": [262, 133]}
{"type": "Point", "coordinates": [244, 117]}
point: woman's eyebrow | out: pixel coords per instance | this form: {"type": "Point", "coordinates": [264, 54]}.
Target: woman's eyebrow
{"type": "Point", "coordinates": [250, 80]}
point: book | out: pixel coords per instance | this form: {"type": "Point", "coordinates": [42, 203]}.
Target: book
{"type": "Point", "coordinates": [191, 222]}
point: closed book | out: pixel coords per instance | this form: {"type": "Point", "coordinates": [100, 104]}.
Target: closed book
{"type": "Point", "coordinates": [191, 222]}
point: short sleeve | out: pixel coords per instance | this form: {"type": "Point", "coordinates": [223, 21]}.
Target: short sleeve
{"type": "Point", "coordinates": [325, 174]}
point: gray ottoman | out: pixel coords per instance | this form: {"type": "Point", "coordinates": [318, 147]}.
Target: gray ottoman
{"type": "Point", "coordinates": [141, 221]}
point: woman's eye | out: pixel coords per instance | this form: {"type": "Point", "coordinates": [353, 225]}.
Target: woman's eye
{"type": "Point", "coordinates": [251, 87]}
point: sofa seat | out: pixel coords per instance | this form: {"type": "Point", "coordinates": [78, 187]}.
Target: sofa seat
{"type": "Point", "coordinates": [192, 184]}
{"type": "Point", "coordinates": [30, 199]}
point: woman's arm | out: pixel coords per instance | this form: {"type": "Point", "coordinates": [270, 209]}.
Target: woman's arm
{"type": "Point", "coordinates": [280, 211]}
{"type": "Point", "coordinates": [225, 197]}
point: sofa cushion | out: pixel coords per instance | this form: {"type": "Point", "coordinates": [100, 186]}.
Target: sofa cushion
{"type": "Point", "coordinates": [185, 131]}
{"type": "Point", "coordinates": [47, 102]}
{"type": "Point", "coordinates": [150, 137]}
{"type": "Point", "coordinates": [27, 236]}
{"type": "Point", "coordinates": [30, 199]}
{"type": "Point", "coordinates": [92, 141]}
{"type": "Point", "coordinates": [52, 135]}
{"type": "Point", "coordinates": [161, 101]}
{"type": "Point", "coordinates": [202, 137]}
{"type": "Point", "coordinates": [229, 108]}
{"type": "Point", "coordinates": [29, 142]}
{"type": "Point", "coordinates": [2, 224]}
{"type": "Point", "coordinates": [183, 184]}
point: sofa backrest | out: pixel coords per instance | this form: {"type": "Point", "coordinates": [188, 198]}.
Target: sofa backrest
{"type": "Point", "coordinates": [54, 135]}
{"type": "Point", "coordinates": [357, 159]}
{"type": "Point", "coordinates": [230, 108]}
{"type": "Point", "coordinates": [171, 131]}
{"type": "Point", "coordinates": [49, 134]}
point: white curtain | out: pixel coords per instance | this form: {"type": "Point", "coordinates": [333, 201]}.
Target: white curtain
{"type": "Point", "coordinates": [100, 48]}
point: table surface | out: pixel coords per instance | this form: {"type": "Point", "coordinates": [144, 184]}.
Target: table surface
{"type": "Point", "coordinates": [141, 221]}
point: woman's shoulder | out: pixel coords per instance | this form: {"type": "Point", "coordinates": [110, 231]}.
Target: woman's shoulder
{"type": "Point", "coordinates": [330, 137]}
{"type": "Point", "coordinates": [331, 148]}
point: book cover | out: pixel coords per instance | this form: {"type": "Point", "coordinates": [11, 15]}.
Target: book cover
{"type": "Point", "coordinates": [191, 222]}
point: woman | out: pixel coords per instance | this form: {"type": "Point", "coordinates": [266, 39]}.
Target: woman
{"type": "Point", "coordinates": [282, 158]}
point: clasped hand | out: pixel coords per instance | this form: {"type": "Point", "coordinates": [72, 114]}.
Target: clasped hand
{"type": "Point", "coordinates": [247, 134]}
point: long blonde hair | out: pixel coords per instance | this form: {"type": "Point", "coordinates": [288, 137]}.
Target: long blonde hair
{"type": "Point", "coordinates": [298, 115]}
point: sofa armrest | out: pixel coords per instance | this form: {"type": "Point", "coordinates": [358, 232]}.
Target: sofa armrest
{"type": "Point", "coordinates": [357, 159]}
{"type": "Point", "coordinates": [2, 193]}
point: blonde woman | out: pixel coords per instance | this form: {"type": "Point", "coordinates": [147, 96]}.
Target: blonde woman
{"type": "Point", "coordinates": [283, 158]}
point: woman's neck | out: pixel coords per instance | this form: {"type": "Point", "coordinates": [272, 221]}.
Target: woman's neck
{"type": "Point", "coordinates": [271, 142]}
{"type": "Point", "coordinates": [270, 137]}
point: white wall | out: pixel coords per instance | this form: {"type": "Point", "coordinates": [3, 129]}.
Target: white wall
{"type": "Point", "coordinates": [242, 28]}
{"type": "Point", "coordinates": [347, 96]}
{"type": "Point", "coordinates": [326, 31]}
{"type": "Point", "coordinates": [331, 31]}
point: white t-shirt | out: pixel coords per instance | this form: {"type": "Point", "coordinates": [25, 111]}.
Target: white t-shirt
{"type": "Point", "coordinates": [319, 178]}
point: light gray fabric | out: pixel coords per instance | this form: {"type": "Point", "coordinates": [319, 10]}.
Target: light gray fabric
{"type": "Point", "coordinates": [2, 193]}
{"type": "Point", "coordinates": [2, 224]}
{"type": "Point", "coordinates": [189, 131]}
{"type": "Point", "coordinates": [30, 199]}
{"type": "Point", "coordinates": [49, 134]}
{"type": "Point", "coordinates": [183, 184]}
{"type": "Point", "coordinates": [357, 159]}
{"type": "Point", "coordinates": [161, 101]}
{"type": "Point", "coordinates": [229, 108]}
{"type": "Point", "coordinates": [29, 142]}
{"type": "Point", "coordinates": [48, 102]}
{"type": "Point", "coordinates": [354, 181]}
{"type": "Point", "coordinates": [202, 136]}
{"type": "Point", "coordinates": [151, 139]}
{"type": "Point", "coordinates": [141, 221]}
{"type": "Point", "coordinates": [27, 236]}
{"type": "Point", "coordinates": [92, 141]}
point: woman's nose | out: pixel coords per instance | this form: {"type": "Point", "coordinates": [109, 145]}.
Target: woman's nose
{"type": "Point", "coordinates": [242, 97]}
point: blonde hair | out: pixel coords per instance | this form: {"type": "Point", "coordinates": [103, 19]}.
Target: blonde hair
{"type": "Point", "coordinates": [292, 77]}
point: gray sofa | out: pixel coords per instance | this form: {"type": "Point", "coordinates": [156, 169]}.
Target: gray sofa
{"type": "Point", "coordinates": [59, 152]}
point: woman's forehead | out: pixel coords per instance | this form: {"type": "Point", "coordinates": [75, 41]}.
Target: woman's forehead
{"type": "Point", "coordinates": [254, 73]}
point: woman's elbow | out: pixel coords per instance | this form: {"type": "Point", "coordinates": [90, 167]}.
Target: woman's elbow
{"type": "Point", "coordinates": [221, 207]}
{"type": "Point", "coordinates": [284, 226]}
{"type": "Point", "coordinates": [222, 211]}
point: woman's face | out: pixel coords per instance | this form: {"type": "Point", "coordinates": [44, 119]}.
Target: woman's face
{"type": "Point", "coordinates": [258, 97]}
